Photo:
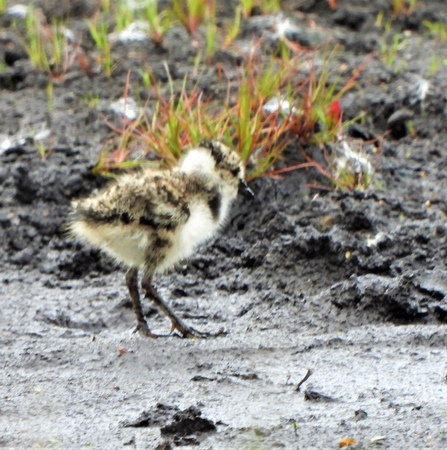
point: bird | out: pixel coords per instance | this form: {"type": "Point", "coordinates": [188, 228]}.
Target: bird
{"type": "Point", "coordinates": [153, 219]}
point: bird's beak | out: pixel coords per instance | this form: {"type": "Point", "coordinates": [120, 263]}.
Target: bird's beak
{"type": "Point", "coordinates": [245, 190]}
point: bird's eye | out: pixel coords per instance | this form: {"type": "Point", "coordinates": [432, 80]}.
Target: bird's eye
{"type": "Point", "coordinates": [235, 172]}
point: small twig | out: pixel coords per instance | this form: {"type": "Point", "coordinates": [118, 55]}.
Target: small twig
{"type": "Point", "coordinates": [308, 374]}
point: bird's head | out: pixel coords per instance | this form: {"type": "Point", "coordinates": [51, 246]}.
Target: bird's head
{"type": "Point", "coordinates": [216, 159]}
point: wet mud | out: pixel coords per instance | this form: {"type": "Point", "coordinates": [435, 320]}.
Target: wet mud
{"type": "Point", "coordinates": [350, 285]}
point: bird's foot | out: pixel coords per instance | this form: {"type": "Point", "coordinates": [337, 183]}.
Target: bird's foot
{"type": "Point", "coordinates": [143, 329]}
{"type": "Point", "coordinates": [189, 332]}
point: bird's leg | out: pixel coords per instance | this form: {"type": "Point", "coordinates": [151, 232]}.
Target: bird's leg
{"type": "Point", "coordinates": [177, 323]}
{"type": "Point", "coordinates": [132, 286]}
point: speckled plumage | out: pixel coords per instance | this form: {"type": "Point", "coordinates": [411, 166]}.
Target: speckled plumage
{"type": "Point", "coordinates": [154, 219]}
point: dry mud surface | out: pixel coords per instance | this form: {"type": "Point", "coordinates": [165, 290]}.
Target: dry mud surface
{"type": "Point", "coordinates": [350, 285]}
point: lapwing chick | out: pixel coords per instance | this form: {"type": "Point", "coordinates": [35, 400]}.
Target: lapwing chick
{"type": "Point", "coordinates": [156, 218]}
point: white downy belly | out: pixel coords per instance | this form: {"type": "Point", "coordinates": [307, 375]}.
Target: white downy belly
{"type": "Point", "coordinates": [199, 228]}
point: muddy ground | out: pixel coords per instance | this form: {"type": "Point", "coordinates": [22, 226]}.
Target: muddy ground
{"type": "Point", "coordinates": [350, 285]}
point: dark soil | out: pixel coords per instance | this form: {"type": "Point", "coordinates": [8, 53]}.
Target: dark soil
{"type": "Point", "coordinates": [350, 285]}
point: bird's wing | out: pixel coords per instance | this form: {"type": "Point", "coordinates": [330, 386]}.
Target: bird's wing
{"type": "Point", "coordinates": [153, 200]}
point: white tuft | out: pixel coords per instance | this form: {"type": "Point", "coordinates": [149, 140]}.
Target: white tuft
{"type": "Point", "coordinates": [42, 135]}
{"type": "Point", "coordinates": [136, 32]}
{"type": "Point", "coordinates": [422, 87]}
{"type": "Point", "coordinates": [126, 107]}
{"type": "Point", "coordinates": [283, 27]}
{"type": "Point", "coordinates": [351, 159]}
{"type": "Point", "coordinates": [279, 104]}
{"type": "Point", "coordinates": [17, 11]}
{"type": "Point", "coordinates": [68, 35]}
{"type": "Point", "coordinates": [9, 142]}
{"type": "Point", "coordinates": [379, 238]}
